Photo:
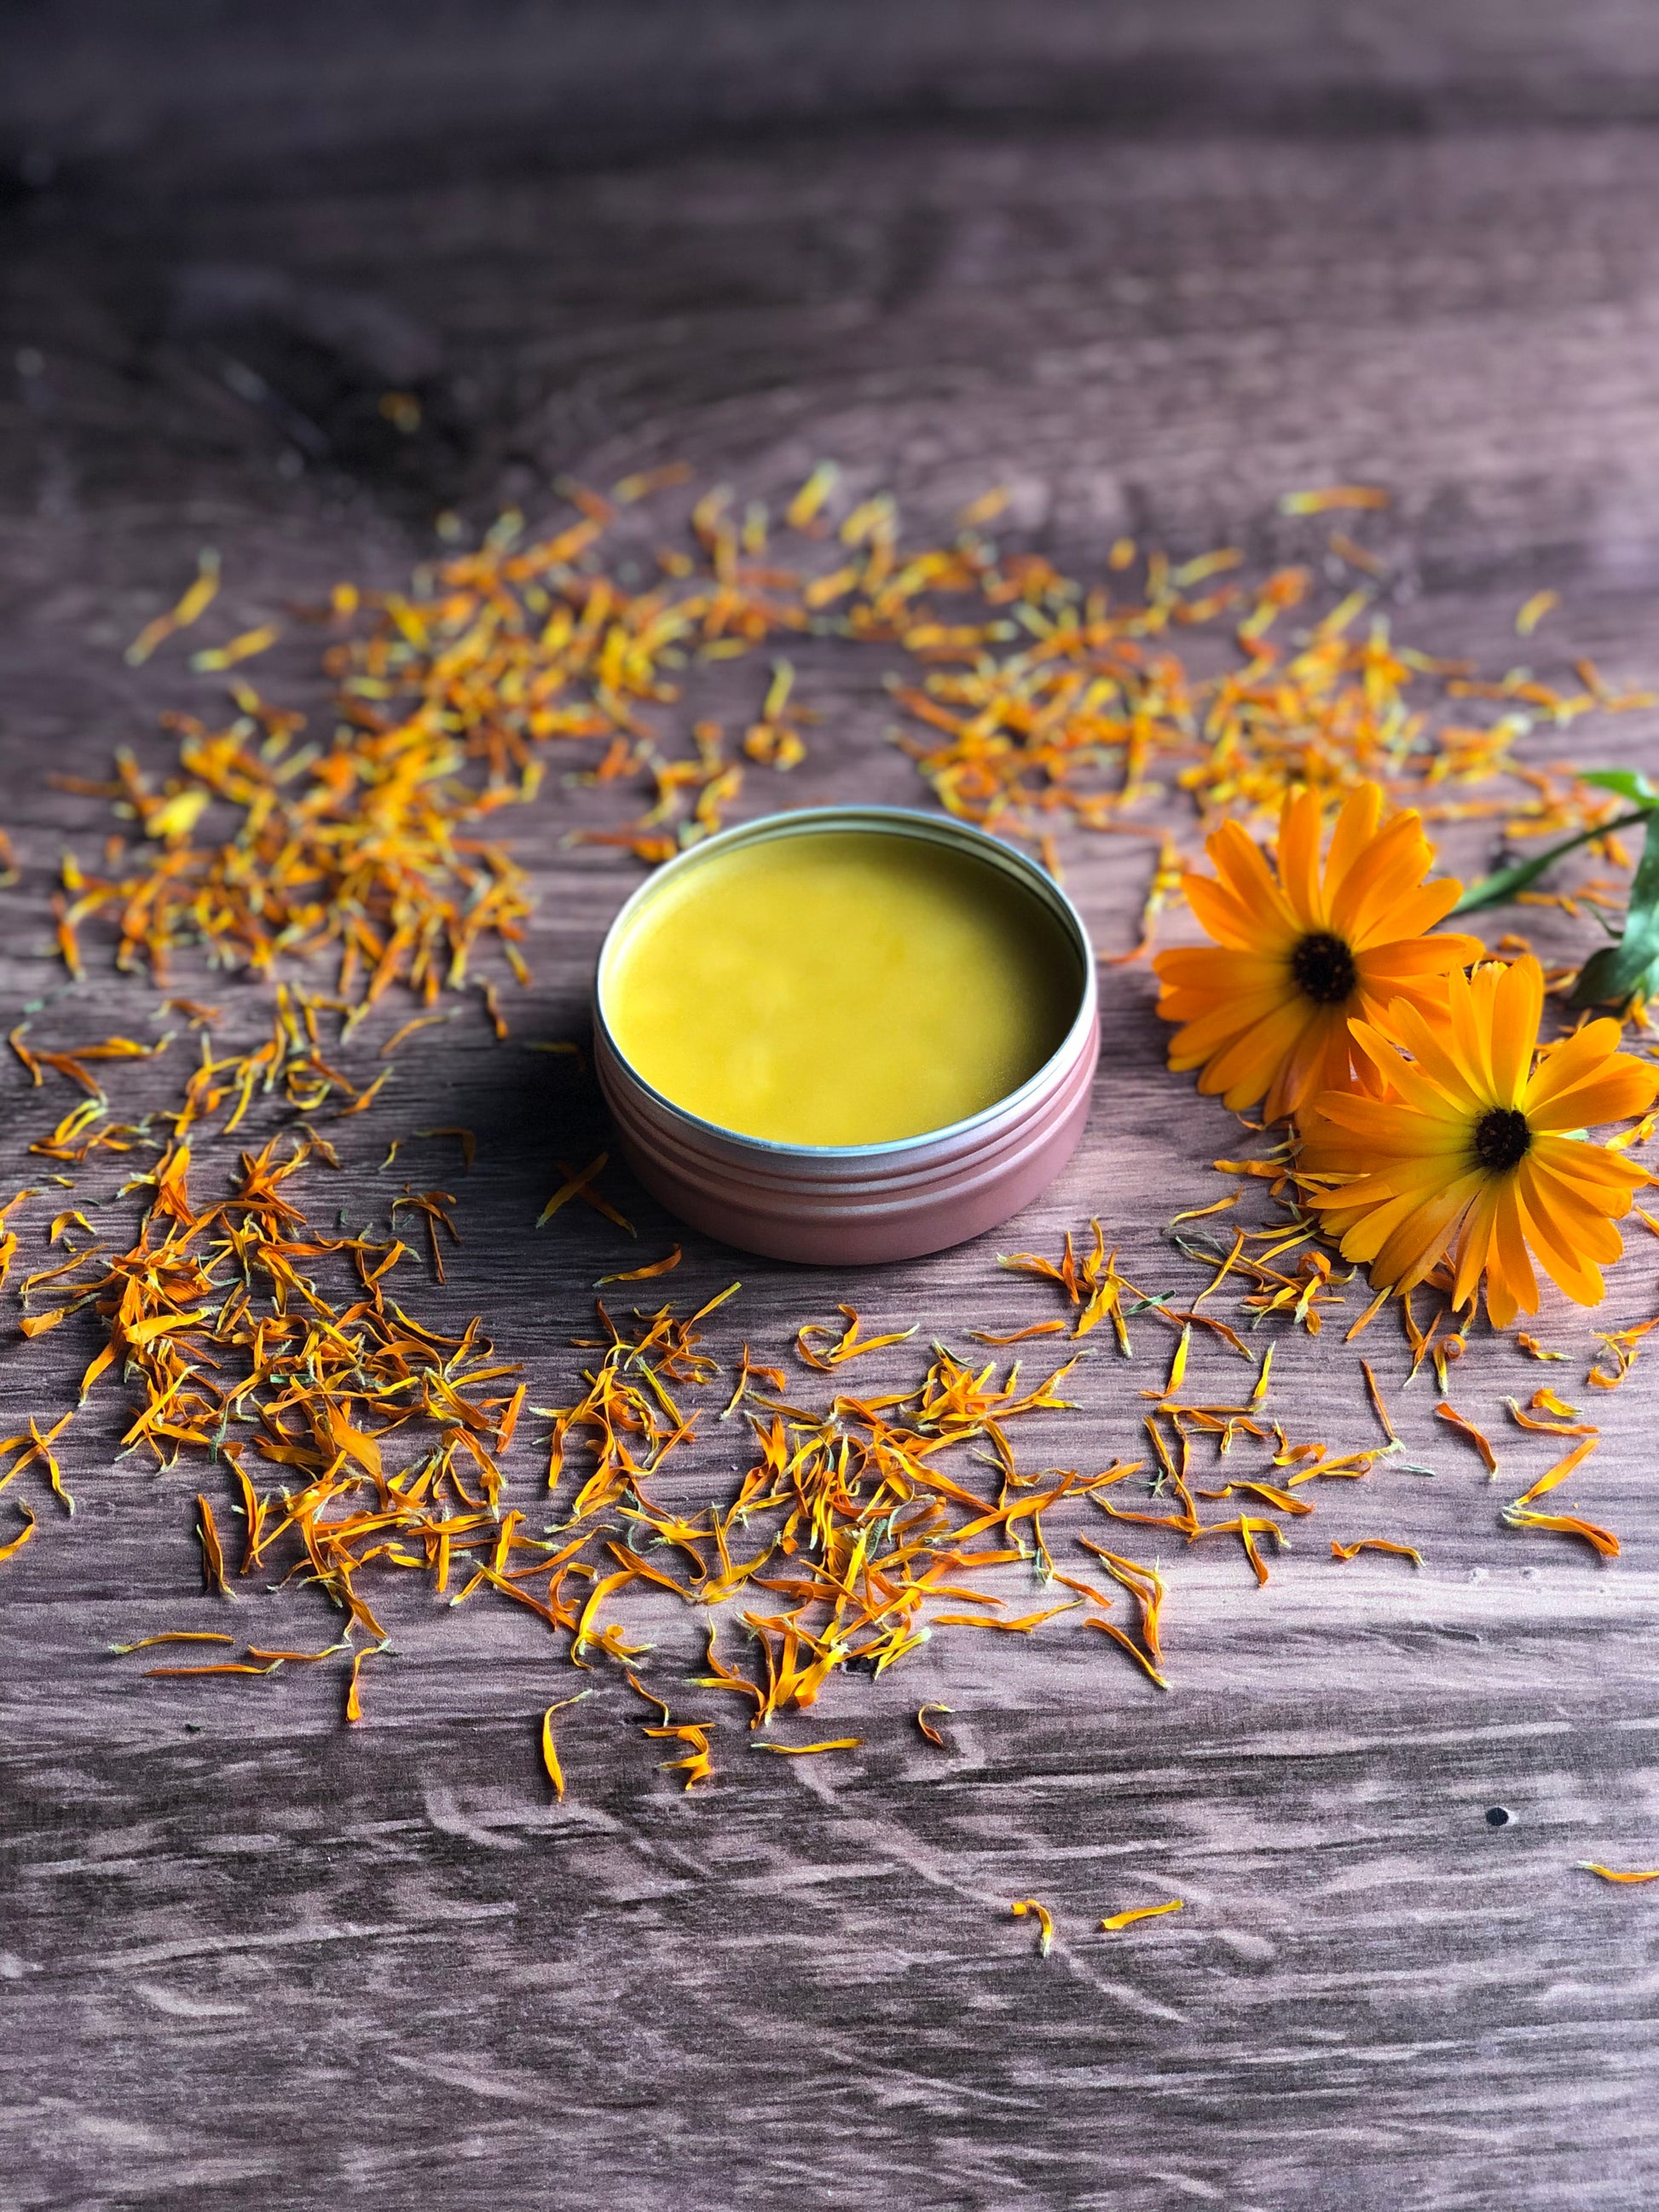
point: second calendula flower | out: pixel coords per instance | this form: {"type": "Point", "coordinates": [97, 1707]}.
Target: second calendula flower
{"type": "Point", "coordinates": [1300, 952]}
{"type": "Point", "coordinates": [1476, 1155]}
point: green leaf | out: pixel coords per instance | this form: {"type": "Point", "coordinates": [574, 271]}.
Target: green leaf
{"type": "Point", "coordinates": [1619, 973]}
{"type": "Point", "coordinates": [1624, 783]}
{"type": "Point", "coordinates": [1498, 890]}
{"type": "Point", "coordinates": [1614, 976]}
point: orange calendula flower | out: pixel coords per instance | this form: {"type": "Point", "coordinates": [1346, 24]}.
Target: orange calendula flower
{"type": "Point", "coordinates": [1471, 1157]}
{"type": "Point", "coordinates": [1298, 954]}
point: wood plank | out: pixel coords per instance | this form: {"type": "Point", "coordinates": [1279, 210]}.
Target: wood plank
{"type": "Point", "coordinates": [249, 1956]}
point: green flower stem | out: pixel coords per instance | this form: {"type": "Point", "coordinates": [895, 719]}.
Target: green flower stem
{"type": "Point", "coordinates": [1498, 890]}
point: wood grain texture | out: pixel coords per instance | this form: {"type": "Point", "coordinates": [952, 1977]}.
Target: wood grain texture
{"type": "Point", "coordinates": [1148, 272]}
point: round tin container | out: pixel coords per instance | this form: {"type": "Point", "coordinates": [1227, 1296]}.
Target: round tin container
{"type": "Point", "coordinates": [849, 1204]}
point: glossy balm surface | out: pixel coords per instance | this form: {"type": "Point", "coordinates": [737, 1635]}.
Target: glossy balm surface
{"type": "Point", "coordinates": [840, 988]}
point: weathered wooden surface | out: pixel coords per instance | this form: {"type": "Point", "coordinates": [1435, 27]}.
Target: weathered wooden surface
{"type": "Point", "coordinates": [248, 1959]}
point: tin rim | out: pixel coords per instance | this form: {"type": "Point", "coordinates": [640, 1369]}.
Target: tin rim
{"type": "Point", "coordinates": [895, 821]}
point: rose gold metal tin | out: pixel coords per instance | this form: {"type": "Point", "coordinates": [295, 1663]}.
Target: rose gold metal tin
{"type": "Point", "coordinates": [852, 1205]}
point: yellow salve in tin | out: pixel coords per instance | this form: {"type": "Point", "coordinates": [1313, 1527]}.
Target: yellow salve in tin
{"type": "Point", "coordinates": [840, 988]}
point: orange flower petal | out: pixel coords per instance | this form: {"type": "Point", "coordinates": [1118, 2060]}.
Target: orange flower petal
{"type": "Point", "coordinates": [1212, 1032]}
{"type": "Point", "coordinates": [1582, 1082]}
{"type": "Point", "coordinates": [1583, 1226]}
{"type": "Point", "coordinates": [1208, 968]}
{"type": "Point", "coordinates": [1243, 1071]}
{"type": "Point", "coordinates": [1431, 1045]}
{"type": "Point", "coordinates": [1469, 1017]}
{"type": "Point", "coordinates": [1318, 1060]}
{"type": "Point", "coordinates": [1580, 1280]}
{"type": "Point", "coordinates": [1233, 921]}
{"type": "Point", "coordinates": [1389, 1128]}
{"type": "Point", "coordinates": [1405, 1235]}
{"type": "Point", "coordinates": [1243, 868]}
{"type": "Point", "coordinates": [1403, 960]}
{"type": "Point", "coordinates": [1517, 1003]}
{"type": "Point", "coordinates": [1398, 859]}
{"type": "Point", "coordinates": [1298, 859]}
{"type": "Point", "coordinates": [1474, 1255]}
{"type": "Point", "coordinates": [1432, 1082]}
{"type": "Point", "coordinates": [1611, 1179]}
{"type": "Point", "coordinates": [1415, 911]}
{"type": "Point", "coordinates": [1510, 1282]}
{"type": "Point", "coordinates": [1356, 827]}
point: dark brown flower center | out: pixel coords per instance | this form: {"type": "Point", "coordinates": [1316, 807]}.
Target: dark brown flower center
{"type": "Point", "coordinates": [1502, 1139]}
{"type": "Point", "coordinates": [1323, 968]}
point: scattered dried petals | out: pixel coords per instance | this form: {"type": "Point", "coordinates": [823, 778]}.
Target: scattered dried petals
{"type": "Point", "coordinates": [1045, 1922]}
{"type": "Point", "coordinates": [1126, 1918]}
